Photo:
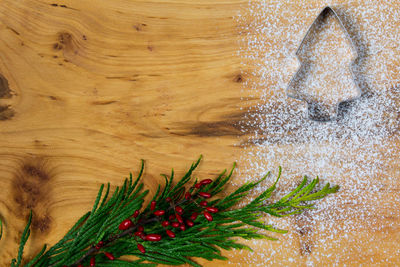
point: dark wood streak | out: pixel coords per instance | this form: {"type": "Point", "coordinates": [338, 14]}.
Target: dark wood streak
{"type": "Point", "coordinates": [62, 6]}
{"type": "Point", "coordinates": [31, 190]}
{"type": "Point", "coordinates": [209, 129]}
{"type": "Point", "coordinates": [229, 125]}
{"type": "Point", "coordinates": [105, 102]}
{"type": "Point", "coordinates": [13, 30]}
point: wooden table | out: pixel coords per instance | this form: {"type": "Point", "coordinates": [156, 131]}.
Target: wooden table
{"type": "Point", "coordinates": [89, 88]}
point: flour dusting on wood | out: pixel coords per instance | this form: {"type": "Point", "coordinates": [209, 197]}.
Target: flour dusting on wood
{"type": "Point", "coordinates": [359, 151]}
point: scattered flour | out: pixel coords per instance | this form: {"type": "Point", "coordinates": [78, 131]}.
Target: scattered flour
{"type": "Point", "coordinates": [359, 151]}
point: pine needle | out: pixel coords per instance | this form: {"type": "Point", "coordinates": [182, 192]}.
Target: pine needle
{"type": "Point", "coordinates": [204, 239]}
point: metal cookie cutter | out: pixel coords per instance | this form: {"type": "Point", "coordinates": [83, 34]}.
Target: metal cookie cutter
{"type": "Point", "coordinates": [318, 112]}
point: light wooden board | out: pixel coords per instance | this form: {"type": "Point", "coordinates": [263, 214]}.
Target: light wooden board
{"type": "Point", "coordinates": [95, 86]}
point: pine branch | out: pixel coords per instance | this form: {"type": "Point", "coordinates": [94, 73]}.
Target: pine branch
{"type": "Point", "coordinates": [24, 238]}
{"type": "Point", "coordinates": [180, 222]}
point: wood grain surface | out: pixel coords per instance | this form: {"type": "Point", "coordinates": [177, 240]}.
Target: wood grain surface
{"type": "Point", "coordinates": [88, 88]}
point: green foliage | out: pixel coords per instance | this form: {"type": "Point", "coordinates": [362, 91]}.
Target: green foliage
{"type": "Point", "coordinates": [204, 240]}
{"type": "Point", "coordinates": [24, 238]}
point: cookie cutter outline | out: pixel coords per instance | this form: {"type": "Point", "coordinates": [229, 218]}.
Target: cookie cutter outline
{"type": "Point", "coordinates": [297, 96]}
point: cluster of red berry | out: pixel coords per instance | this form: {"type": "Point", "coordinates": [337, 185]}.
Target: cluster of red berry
{"type": "Point", "coordinates": [171, 219]}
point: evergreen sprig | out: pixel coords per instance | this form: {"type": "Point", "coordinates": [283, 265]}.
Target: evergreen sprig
{"type": "Point", "coordinates": [112, 228]}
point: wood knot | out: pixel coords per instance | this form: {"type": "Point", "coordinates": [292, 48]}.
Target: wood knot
{"type": "Point", "coordinates": [57, 46]}
{"type": "Point", "coordinates": [65, 41]}
{"type": "Point", "coordinates": [5, 91]}
{"type": "Point", "coordinates": [64, 38]}
{"type": "Point", "coordinates": [6, 112]}
{"type": "Point", "coordinates": [139, 26]}
{"type": "Point", "coordinates": [31, 191]}
{"type": "Point", "coordinates": [35, 171]}
{"type": "Point", "coordinates": [238, 78]}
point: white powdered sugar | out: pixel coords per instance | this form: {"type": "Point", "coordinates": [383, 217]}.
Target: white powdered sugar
{"type": "Point", "coordinates": [358, 151]}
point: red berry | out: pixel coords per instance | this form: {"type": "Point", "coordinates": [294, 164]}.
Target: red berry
{"type": "Point", "coordinates": [193, 217]}
{"type": "Point", "coordinates": [206, 181]}
{"type": "Point", "coordinates": [179, 209]}
{"type": "Point", "coordinates": [99, 245]}
{"type": "Point", "coordinates": [136, 213]}
{"type": "Point", "coordinates": [165, 223]}
{"type": "Point", "coordinates": [189, 223]}
{"type": "Point", "coordinates": [92, 261]}
{"type": "Point", "coordinates": [138, 233]}
{"type": "Point", "coordinates": [80, 265]}
{"type": "Point", "coordinates": [170, 233]}
{"type": "Point", "coordinates": [159, 212]}
{"type": "Point", "coordinates": [188, 195]}
{"type": "Point", "coordinates": [171, 217]}
{"type": "Point", "coordinates": [203, 203]}
{"type": "Point", "coordinates": [212, 209]}
{"type": "Point", "coordinates": [140, 228]}
{"type": "Point", "coordinates": [153, 205]}
{"type": "Point", "coordinates": [208, 216]}
{"type": "Point", "coordinates": [153, 237]}
{"type": "Point", "coordinates": [109, 256]}
{"type": "Point", "coordinates": [205, 194]}
{"type": "Point", "coordinates": [175, 224]}
{"type": "Point", "coordinates": [179, 218]}
{"type": "Point", "coordinates": [141, 248]}
{"type": "Point", "coordinates": [198, 185]}
{"type": "Point", "coordinates": [168, 199]}
{"type": "Point", "coordinates": [182, 227]}
{"type": "Point", "coordinates": [125, 224]}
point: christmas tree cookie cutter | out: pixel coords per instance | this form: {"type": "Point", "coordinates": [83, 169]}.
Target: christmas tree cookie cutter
{"type": "Point", "coordinates": [315, 112]}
